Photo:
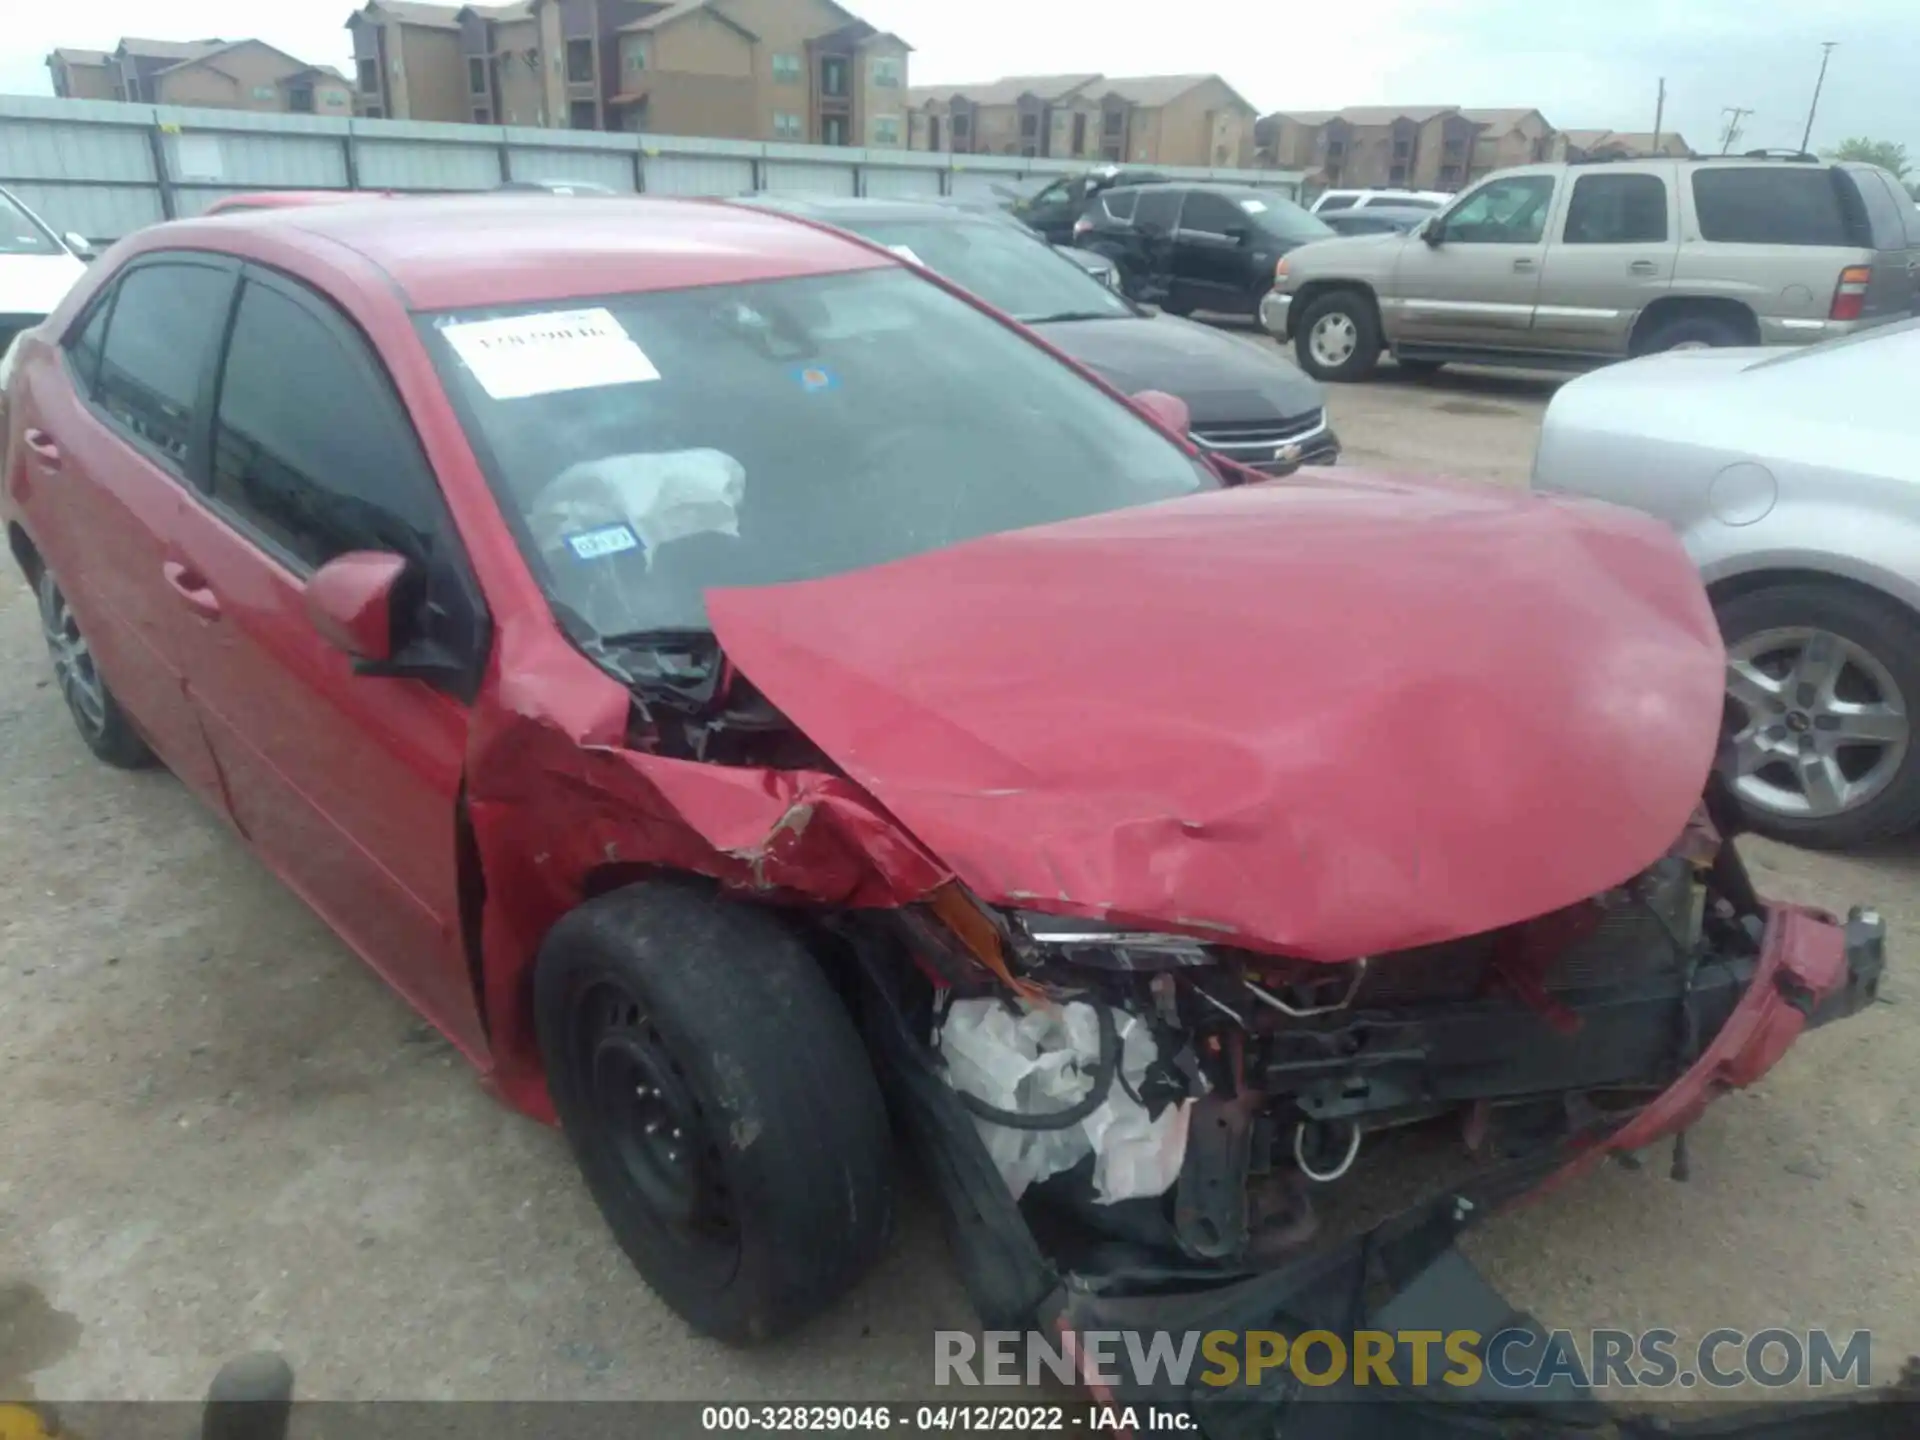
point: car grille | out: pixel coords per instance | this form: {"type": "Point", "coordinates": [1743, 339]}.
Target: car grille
{"type": "Point", "coordinates": [1260, 443]}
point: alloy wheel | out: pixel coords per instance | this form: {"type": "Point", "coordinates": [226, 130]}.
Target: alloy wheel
{"type": "Point", "coordinates": [1818, 725]}
{"type": "Point", "coordinates": [73, 665]}
{"type": "Point", "coordinates": [1333, 340]}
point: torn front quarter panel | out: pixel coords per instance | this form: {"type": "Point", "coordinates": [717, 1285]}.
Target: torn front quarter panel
{"type": "Point", "coordinates": [1329, 716]}
{"type": "Point", "coordinates": [561, 809]}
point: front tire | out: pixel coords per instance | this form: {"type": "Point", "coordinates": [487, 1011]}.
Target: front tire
{"type": "Point", "coordinates": [103, 725]}
{"type": "Point", "coordinates": [1339, 337]}
{"type": "Point", "coordinates": [719, 1102]}
{"type": "Point", "coordinates": [1822, 684]}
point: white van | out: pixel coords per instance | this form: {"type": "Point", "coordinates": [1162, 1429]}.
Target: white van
{"type": "Point", "coordinates": [37, 268]}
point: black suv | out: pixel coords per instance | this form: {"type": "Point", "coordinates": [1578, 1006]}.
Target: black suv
{"type": "Point", "coordinates": [1054, 210]}
{"type": "Point", "coordinates": [1196, 247]}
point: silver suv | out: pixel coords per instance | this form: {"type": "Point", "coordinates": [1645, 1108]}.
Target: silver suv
{"type": "Point", "coordinates": [1569, 266]}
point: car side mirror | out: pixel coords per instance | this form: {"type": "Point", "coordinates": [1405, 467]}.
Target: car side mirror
{"type": "Point", "coordinates": [78, 244]}
{"type": "Point", "coordinates": [350, 601]}
{"type": "Point", "coordinates": [1170, 410]}
{"type": "Point", "coordinates": [1434, 232]}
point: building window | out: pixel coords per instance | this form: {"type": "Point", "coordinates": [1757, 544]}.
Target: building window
{"type": "Point", "coordinates": [1402, 149]}
{"type": "Point", "coordinates": [1029, 126]}
{"type": "Point", "coordinates": [1080, 132]}
{"type": "Point", "coordinates": [482, 115]}
{"type": "Point", "coordinates": [962, 125]}
{"type": "Point", "coordinates": [1336, 149]}
{"type": "Point", "coordinates": [1114, 123]}
{"type": "Point", "coordinates": [583, 115]}
{"type": "Point", "coordinates": [788, 126]}
{"type": "Point", "coordinates": [373, 112]}
{"type": "Point", "coordinates": [886, 129]}
{"type": "Point", "coordinates": [636, 56]}
{"type": "Point", "coordinates": [300, 99]}
{"type": "Point", "coordinates": [476, 75]}
{"type": "Point", "coordinates": [1397, 175]}
{"type": "Point", "coordinates": [1450, 176]}
{"type": "Point", "coordinates": [833, 130]}
{"type": "Point", "coordinates": [787, 69]}
{"type": "Point", "coordinates": [833, 76]}
{"type": "Point", "coordinates": [579, 62]}
{"type": "Point", "coordinates": [933, 132]}
{"type": "Point", "coordinates": [264, 92]}
{"type": "Point", "coordinates": [368, 71]}
{"type": "Point", "coordinates": [886, 70]}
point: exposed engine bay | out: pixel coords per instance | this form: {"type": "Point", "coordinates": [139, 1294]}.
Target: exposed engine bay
{"type": "Point", "coordinates": [1152, 1100]}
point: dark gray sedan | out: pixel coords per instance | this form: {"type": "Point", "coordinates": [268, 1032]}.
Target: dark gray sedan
{"type": "Point", "coordinates": [1245, 403]}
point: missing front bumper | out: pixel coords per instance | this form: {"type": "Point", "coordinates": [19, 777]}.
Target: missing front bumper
{"type": "Point", "coordinates": [1397, 1273]}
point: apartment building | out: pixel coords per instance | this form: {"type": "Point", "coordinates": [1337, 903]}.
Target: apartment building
{"type": "Point", "coordinates": [222, 74]}
{"type": "Point", "coordinates": [1416, 147]}
{"type": "Point", "coordinates": [1622, 144]}
{"type": "Point", "coordinates": [807, 71]}
{"type": "Point", "coordinates": [1145, 119]}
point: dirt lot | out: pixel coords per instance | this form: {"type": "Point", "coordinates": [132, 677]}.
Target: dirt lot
{"type": "Point", "coordinates": [219, 1132]}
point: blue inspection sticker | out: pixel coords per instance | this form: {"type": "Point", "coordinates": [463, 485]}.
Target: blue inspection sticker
{"type": "Point", "coordinates": [814, 378]}
{"type": "Point", "coordinates": [598, 544]}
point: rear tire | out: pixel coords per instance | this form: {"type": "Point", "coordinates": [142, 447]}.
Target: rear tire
{"type": "Point", "coordinates": [719, 1102]}
{"type": "Point", "coordinates": [103, 725]}
{"type": "Point", "coordinates": [1339, 337]}
{"type": "Point", "coordinates": [1782, 734]}
{"type": "Point", "coordinates": [1694, 332]}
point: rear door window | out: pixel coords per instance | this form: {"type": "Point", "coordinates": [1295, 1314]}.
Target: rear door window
{"type": "Point", "coordinates": [1158, 210]}
{"type": "Point", "coordinates": [1770, 205]}
{"type": "Point", "coordinates": [165, 327]}
{"type": "Point", "coordinates": [1617, 210]}
{"type": "Point", "coordinates": [1120, 203]}
{"type": "Point", "coordinates": [1337, 202]}
{"type": "Point", "coordinates": [1213, 214]}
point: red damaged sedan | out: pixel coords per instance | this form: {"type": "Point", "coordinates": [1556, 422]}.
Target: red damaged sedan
{"type": "Point", "coordinates": [736, 685]}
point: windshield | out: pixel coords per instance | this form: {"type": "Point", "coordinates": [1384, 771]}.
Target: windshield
{"type": "Point", "coordinates": [1009, 269]}
{"type": "Point", "coordinates": [1279, 217]}
{"type": "Point", "coordinates": [650, 447]}
{"type": "Point", "coordinates": [21, 234]}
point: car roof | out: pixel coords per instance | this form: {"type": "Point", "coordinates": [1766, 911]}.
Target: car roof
{"type": "Point", "coordinates": [516, 248]}
{"type": "Point", "coordinates": [838, 208]}
{"type": "Point", "coordinates": [282, 199]}
{"type": "Point", "coordinates": [1209, 187]}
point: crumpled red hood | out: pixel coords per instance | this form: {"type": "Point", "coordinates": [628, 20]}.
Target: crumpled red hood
{"type": "Point", "coordinates": [1328, 716]}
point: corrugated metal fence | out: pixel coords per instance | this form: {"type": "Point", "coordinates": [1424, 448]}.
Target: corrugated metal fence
{"type": "Point", "coordinates": [103, 168]}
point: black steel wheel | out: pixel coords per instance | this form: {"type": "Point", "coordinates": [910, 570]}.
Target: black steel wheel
{"type": "Point", "coordinates": [720, 1104]}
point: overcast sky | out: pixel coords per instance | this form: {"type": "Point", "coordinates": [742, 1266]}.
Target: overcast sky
{"type": "Point", "coordinates": [1583, 63]}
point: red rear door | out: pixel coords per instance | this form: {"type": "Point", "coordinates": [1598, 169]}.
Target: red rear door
{"type": "Point", "coordinates": [348, 784]}
{"type": "Point", "coordinates": [109, 422]}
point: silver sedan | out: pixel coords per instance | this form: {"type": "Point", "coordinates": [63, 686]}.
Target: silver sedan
{"type": "Point", "coordinates": [1794, 480]}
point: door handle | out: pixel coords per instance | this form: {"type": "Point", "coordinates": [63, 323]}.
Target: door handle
{"type": "Point", "coordinates": [192, 589]}
{"type": "Point", "coordinates": [1644, 267]}
{"type": "Point", "coordinates": [1523, 264]}
{"type": "Point", "coordinates": [44, 447]}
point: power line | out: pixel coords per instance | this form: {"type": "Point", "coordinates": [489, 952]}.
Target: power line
{"type": "Point", "coordinates": [1735, 114]}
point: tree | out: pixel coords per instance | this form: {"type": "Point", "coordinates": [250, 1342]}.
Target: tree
{"type": "Point", "coordinates": [1884, 153]}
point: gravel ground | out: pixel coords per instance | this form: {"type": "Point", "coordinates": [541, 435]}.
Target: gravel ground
{"type": "Point", "coordinates": [220, 1132]}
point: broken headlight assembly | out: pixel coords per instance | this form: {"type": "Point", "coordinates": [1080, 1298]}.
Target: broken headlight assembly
{"type": "Point", "coordinates": [1191, 1097]}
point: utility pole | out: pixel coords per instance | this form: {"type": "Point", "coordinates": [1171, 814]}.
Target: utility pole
{"type": "Point", "coordinates": [1659, 113]}
{"type": "Point", "coordinates": [1735, 114]}
{"type": "Point", "coordinates": [1826, 52]}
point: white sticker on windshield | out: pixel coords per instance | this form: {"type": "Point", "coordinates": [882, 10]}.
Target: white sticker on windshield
{"type": "Point", "coordinates": [541, 354]}
{"type": "Point", "coordinates": [905, 252]}
{"type": "Point", "coordinates": [1254, 207]}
